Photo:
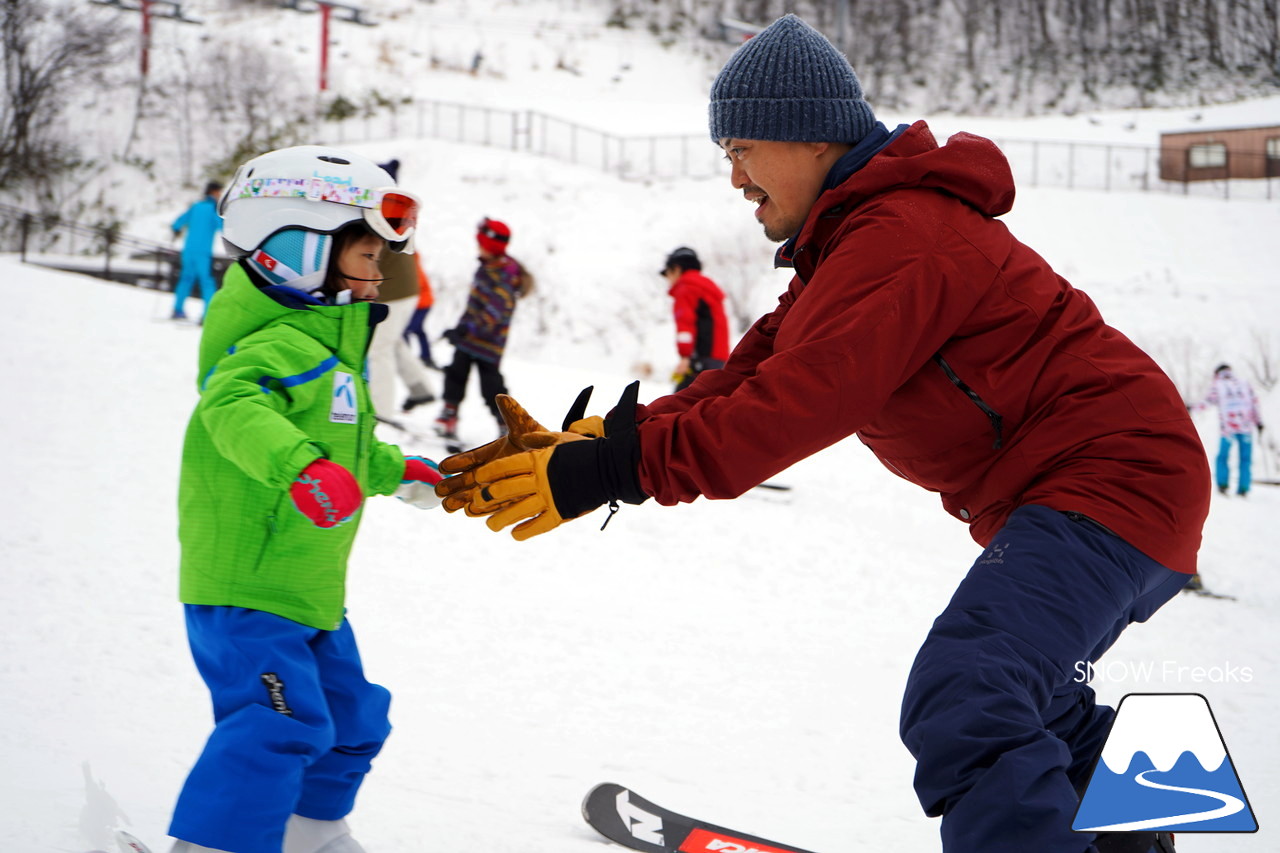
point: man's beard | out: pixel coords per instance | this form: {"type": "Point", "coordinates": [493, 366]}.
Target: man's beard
{"type": "Point", "coordinates": [777, 235]}
{"type": "Point", "coordinates": [777, 228]}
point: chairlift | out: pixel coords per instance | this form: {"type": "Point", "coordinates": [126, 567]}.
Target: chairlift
{"type": "Point", "coordinates": [170, 10]}
{"type": "Point", "coordinates": [347, 13]}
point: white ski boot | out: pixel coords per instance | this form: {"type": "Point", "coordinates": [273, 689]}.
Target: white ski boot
{"type": "Point", "coordinates": [188, 847]}
{"type": "Point", "coordinates": [304, 835]}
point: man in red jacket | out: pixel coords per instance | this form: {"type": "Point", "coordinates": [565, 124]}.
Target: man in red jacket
{"type": "Point", "coordinates": [702, 332]}
{"type": "Point", "coordinates": [916, 321]}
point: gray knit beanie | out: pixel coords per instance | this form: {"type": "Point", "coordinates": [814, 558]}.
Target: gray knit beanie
{"type": "Point", "coordinates": [789, 84]}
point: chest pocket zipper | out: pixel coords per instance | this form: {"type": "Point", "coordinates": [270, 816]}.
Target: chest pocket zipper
{"type": "Point", "coordinates": [997, 420]}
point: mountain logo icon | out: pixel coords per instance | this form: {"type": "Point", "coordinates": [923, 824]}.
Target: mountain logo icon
{"type": "Point", "coordinates": [1164, 766]}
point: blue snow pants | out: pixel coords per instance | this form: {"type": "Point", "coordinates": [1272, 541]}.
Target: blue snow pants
{"type": "Point", "coordinates": [194, 268]}
{"type": "Point", "coordinates": [1003, 729]}
{"type": "Point", "coordinates": [417, 330]}
{"type": "Point", "coordinates": [1223, 472]}
{"type": "Point", "coordinates": [296, 728]}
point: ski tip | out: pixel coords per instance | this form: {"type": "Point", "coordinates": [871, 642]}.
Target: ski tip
{"type": "Point", "coordinates": [603, 789]}
{"type": "Point", "coordinates": [610, 787]}
{"type": "Point", "coordinates": [1208, 593]}
{"type": "Point", "coordinates": [129, 844]}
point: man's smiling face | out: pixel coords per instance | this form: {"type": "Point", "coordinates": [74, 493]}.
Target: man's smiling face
{"type": "Point", "coordinates": [784, 179]}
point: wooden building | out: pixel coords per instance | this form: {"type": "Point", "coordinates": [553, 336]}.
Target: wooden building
{"type": "Point", "coordinates": [1212, 155]}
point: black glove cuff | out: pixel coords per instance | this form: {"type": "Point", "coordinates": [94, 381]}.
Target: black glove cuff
{"type": "Point", "coordinates": [573, 472]}
{"type": "Point", "coordinates": [586, 474]}
{"type": "Point", "coordinates": [578, 410]}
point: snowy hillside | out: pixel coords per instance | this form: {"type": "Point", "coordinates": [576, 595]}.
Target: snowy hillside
{"type": "Point", "coordinates": [593, 242]}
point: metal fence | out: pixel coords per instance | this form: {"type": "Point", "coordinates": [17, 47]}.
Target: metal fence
{"type": "Point", "coordinates": [628, 157]}
{"type": "Point", "coordinates": [1035, 163]}
{"type": "Point", "coordinates": [94, 249]}
{"type": "Point", "coordinates": [1116, 166]}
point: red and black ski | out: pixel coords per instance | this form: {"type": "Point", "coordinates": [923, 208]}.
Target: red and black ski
{"type": "Point", "coordinates": [624, 817]}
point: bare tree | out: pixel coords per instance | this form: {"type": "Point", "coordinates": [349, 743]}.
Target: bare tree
{"type": "Point", "coordinates": [1183, 359]}
{"type": "Point", "coordinates": [49, 50]}
{"type": "Point", "coordinates": [1028, 55]}
{"type": "Point", "coordinates": [1264, 361]}
{"type": "Point", "coordinates": [257, 102]}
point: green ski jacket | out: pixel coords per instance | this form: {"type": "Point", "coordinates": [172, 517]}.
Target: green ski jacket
{"type": "Point", "coordinates": [279, 388]}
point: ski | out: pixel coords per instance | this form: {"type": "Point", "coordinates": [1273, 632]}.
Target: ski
{"type": "Point", "coordinates": [451, 443]}
{"type": "Point", "coordinates": [129, 844]}
{"type": "Point", "coordinates": [624, 817]}
{"type": "Point", "coordinates": [1195, 586]}
{"type": "Point", "coordinates": [1208, 593]}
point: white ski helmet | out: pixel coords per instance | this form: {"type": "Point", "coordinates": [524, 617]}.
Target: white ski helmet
{"type": "Point", "coordinates": [311, 192]}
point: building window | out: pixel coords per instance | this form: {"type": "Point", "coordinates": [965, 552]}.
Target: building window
{"type": "Point", "coordinates": [1273, 148]}
{"type": "Point", "coordinates": [1207, 155]}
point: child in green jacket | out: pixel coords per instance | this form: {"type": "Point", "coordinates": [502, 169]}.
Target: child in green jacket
{"type": "Point", "coordinates": [278, 457]}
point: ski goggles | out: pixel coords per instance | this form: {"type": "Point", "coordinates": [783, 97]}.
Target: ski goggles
{"type": "Point", "coordinates": [390, 212]}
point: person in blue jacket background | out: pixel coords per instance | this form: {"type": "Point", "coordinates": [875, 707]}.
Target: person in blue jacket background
{"type": "Point", "coordinates": [202, 223]}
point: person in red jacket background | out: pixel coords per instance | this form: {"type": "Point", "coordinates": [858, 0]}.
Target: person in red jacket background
{"type": "Point", "coordinates": [916, 321]}
{"type": "Point", "coordinates": [702, 332]}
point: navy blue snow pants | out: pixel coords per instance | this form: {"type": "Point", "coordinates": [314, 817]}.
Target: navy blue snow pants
{"type": "Point", "coordinates": [296, 728]}
{"type": "Point", "coordinates": [996, 713]}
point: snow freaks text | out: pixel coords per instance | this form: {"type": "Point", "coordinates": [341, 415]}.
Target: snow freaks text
{"type": "Point", "coordinates": [1162, 671]}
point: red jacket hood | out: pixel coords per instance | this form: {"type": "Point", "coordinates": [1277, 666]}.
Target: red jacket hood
{"type": "Point", "coordinates": [971, 168]}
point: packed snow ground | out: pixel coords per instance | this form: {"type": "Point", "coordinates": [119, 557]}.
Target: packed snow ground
{"type": "Point", "coordinates": [741, 660]}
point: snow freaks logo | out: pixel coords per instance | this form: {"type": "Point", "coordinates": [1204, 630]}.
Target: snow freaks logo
{"type": "Point", "coordinates": [1164, 671]}
{"type": "Point", "coordinates": [1164, 767]}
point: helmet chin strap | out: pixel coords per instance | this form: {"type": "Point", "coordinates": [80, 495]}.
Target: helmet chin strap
{"type": "Point", "coordinates": [344, 297]}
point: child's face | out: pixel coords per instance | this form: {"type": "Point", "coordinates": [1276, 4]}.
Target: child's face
{"type": "Point", "coordinates": [358, 260]}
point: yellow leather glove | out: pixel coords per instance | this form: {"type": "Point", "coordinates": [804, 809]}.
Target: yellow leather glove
{"type": "Point", "coordinates": [592, 427]}
{"type": "Point", "coordinates": [575, 419]}
{"type": "Point", "coordinates": [573, 473]}
{"type": "Point", "coordinates": [523, 433]}
{"type": "Point", "coordinates": [517, 489]}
